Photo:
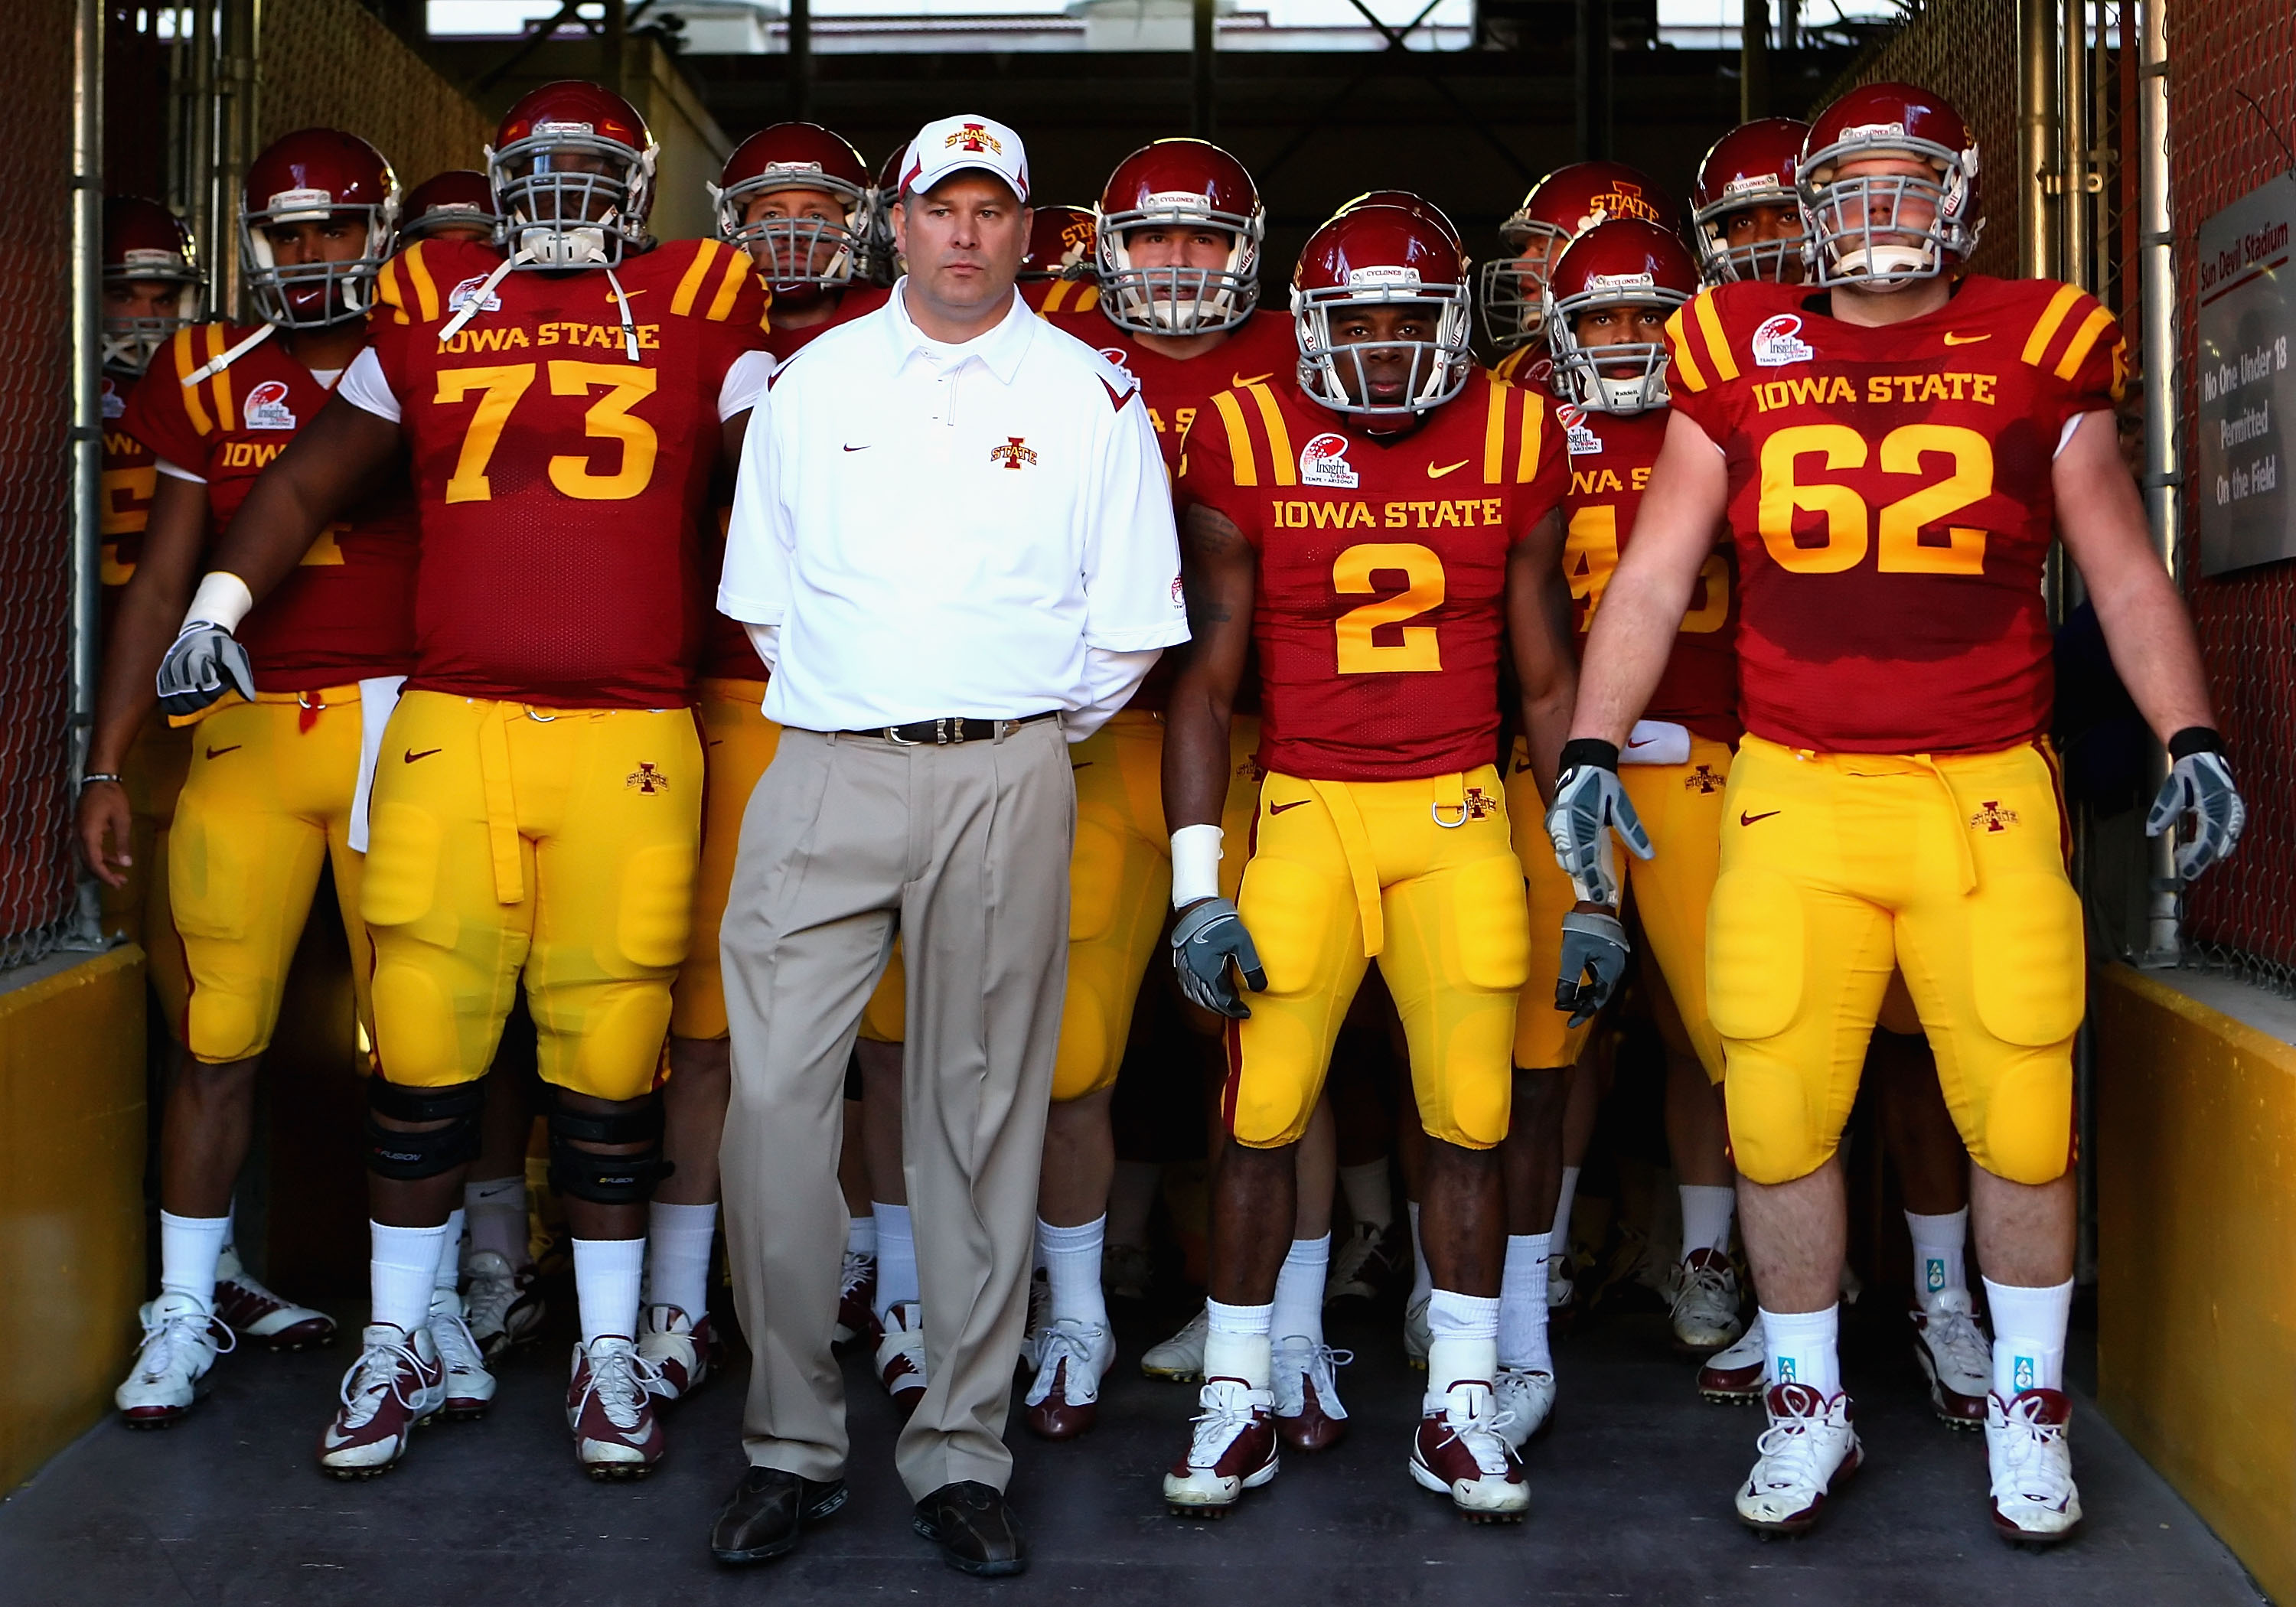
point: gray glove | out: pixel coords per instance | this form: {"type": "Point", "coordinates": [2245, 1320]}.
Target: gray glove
{"type": "Point", "coordinates": [1595, 955]}
{"type": "Point", "coordinates": [205, 662]}
{"type": "Point", "coordinates": [2199, 785]}
{"type": "Point", "coordinates": [1590, 802]}
{"type": "Point", "coordinates": [1210, 935]}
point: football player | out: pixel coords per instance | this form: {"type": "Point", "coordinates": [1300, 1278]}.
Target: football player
{"type": "Point", "coordinates": [1746, 221]}
{"type": "Point", "coordinates": [1376, 530]}
{"type": "Point", "coordinates": [1059, 273]}
{"type": "Point", "coordinates": [457, 204]}
{"type": "Point", "coordinates": [538, 801]}
{"type": "Point", "coordinates": [1893, 443]}
{"type": "Point", "coordinates": [1556, 210]}
{"type": "Point", "coordinates": [273, 775]}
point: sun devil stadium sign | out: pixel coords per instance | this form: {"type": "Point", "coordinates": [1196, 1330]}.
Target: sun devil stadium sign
{"type": "Point", "coordinates": [2247, 316]}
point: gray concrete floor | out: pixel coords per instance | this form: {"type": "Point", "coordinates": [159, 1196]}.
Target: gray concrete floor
{"type": "Point", "coordinates": [1632, 1496]}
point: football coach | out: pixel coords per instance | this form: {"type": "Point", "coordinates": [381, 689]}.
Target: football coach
{"type": "Point", "coordinates": [952, 541]}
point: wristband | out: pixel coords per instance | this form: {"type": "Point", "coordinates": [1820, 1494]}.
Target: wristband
{"type": "Point", "coordinates": [1196, 865]}
{"type": "Point", "coordinates": [223, 599]}
{"type": "Point", "coordinates": [1588, 750]}
{"type": "Point", "coordinates": [2195, 739]}
{"type": "Point", "coordinates": [93, 776]}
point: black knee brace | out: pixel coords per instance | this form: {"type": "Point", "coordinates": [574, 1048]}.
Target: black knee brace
{"type": "Point", "coordinates": [409, 1157]}
{"type": "Point", "coordinates": [624, 1179]}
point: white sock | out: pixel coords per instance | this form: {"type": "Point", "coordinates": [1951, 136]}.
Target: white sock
{"type": "Point", "coordinates": [897, 1257]}
{"type": "Point", "coordinates": [2028, 1336]}
{"type": "Point", "coordinates": [1803, 1347]}
{"type": "Point", "coordinates": [448, 1277]}
{"type": "Point", "coordinates": [677, 1256]}
{"type": "Point", "coordinates": [1370, 1196]}
{"type": "Point", "coordinates": [189, 1249]}
{"type": "Point", "coordinates": [402, 1263]}
{"type": "Point", "coordinates": [1938, 1245]}
{"type": "Point", "coordinates": [607, 1273]}
{"type": "Point", "coordinates": [1071, 1259]}
{"type": "Point", "coordinates": [1423, 1282]}
{"type": "Point", "coordinates": [1462, 1342]}
{"type": "Point", "coordinates": [497, 1207]}
{"type": "Point", "coordinates": [1706, 1214]}
{"type": "Point", "coordinates": [1523, 1305]}
{"type": "Point", "coordinates": [1236, 1344]}
{"type": "Point", "coordinates": [1559, 1234]}
{"type": "Point", "coordinates": [1299, 1312]}
{"type": "Point", "coordinates": [861, 1237]}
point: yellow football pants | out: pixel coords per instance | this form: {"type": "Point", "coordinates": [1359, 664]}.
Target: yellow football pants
{"type": "Point", "coordinates": [268, 799]}
{"type": "Point", "coordinates": [555, 843]}
{"type": "Point", "coordinates": [1681, 808]}
{"type": "Point", "coordinates": [1835, 868]}
{"type": "Point", "coordinates": [1119, 893]}
{"type": "Point", "coordinates": [1543, 1038]}
{"type": "Point", "coordinates": [138, 911]}
{"type": "Point", "coordinates": [1420, 875]}
{"type": "Point", "coordinates": [738, 743]}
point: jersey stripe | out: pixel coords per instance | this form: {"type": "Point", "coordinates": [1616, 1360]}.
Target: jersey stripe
{"type": "Point", "coordinates": [1534, 431]}
{"type": "Point", "coordinates": [385, 291]}
{"type": "Point", "coordinates": [2053, 318]}
{"type": "Point", "coordinates": [1239, 439]}
{"type": "Point", "coordinates": [1495, 430]}
{"type": "Point", "coordinates": [696, 271]}
{"type": "Point", "coordinates": [1677, 337]}
{"type": "Point", "coordinates": [1718, 345]}
{"type": "Point", "coordinates": [2097, 321]}
{"type": "Point", "coordinates": [184, 362]}
{"type": "Point", "coordinates": [426, 291]}
{"type": "Point", "coordinates": [221, 382]}
{"type": "Point", "coordinates": [1056, 297]}
{"type": "Point", "coordinates": [729, 285]}
{"type": "Point", "coordinates": [1283, 462]}
{"type": "Point", "coordinates": [1087, 298]}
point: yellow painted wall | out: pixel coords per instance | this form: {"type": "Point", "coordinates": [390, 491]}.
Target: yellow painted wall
{"type": "Point", "coordinates": [2196, 1241]}
{"type": "Point", "coordinates": [71, 1200]}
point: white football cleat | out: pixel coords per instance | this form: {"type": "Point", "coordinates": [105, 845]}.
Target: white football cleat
{"type": "Point", "coordinates": [1807, 1449]}
{"type": "Point", "coordinates": [1309, 1415]}
{"type": "Point", "coordinates": [1064, 1398]}
{"type": "Point", "coordinates": [253, 1312]}
{"type": "Point", "coordinates": [1232, 1449]}
{"type": "Point", "coordinates": [1040, 1313]}
{"type": "Point", "coordinates": [1956, 1357]}
{"type": "Point", "coordinates": [856, 1294]}
{"type": "Point", "coordinates": [2031, 1460]}
{"type": "Point", "coordinates": [180, 1346]}
{"type": "Point", "coordinates": [681, 1350]}
{"type": "Point", "coordinates": [1526, 1403]}
{"type": "Point", "coordinates": [1460, 1452]}
{"type": "Point", "coordinates": [502, 1304]}
{"type": "Point", "coordinates": [1734, 1377]}
{"type": "Point", "coordinates": [469, 1387]}
{"type": "Point", "coordinates": [396, 1385]}
{"type": "Point", "coordinates": [1415, 1337]}
{"type": "Point", "coordinates": [1181, 1357]}
{"type": "Point", "coordinates": [901, 1353]}
{"type": "Point", "coordinates": [609, 1406]}
{"type": "Point", "coordinates": [1706, 1305]}
{"type": "Point", "coordinates": [1561, 1289]}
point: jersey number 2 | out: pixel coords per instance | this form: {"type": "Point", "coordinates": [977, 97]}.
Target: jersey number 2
{"type": "Point", "coordinates": [608, 419]}
{"type": "Point", "coordinates": [1352, 573]}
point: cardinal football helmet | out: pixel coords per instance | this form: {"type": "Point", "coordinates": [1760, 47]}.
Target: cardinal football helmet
{"type": "Point", "coordinates": [146, 242]}
{"type": "Point", "coordinates": [572, 169]}
{"type": "Point", "coordinates": [308, 176]}
{"type": "Point", "coordinates": [1381, 256]}
{"type": "Point", "coordinates": [1751, 166]}
{"type": "Point", "coordinates": [1882, 231]}
{"type": "Point", "coordinates": [457, 199]}
{"type": "Point", "coordinates": [1624, 262]}
{"type": "Point", "coordinates": [1181, 182]}
{"type": "Point", "coordinates": [799, 253]}
{"type": "Point", "coordinates": [1559, 208]}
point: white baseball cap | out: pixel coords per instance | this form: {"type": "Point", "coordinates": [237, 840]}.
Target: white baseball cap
{"type": "Point", "coordinates": [952, 144]}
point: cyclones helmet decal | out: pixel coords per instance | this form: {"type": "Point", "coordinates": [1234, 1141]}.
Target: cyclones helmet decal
{"type": "Point", "coordinates": [459, 197]}
{"type": "Point", "coordinates": [314, 175]}
{"type": "Point", "coordinates": [1060, 244]}
{"type": "Point", "coordinates": [1559, 208]}
{"type": "Point", "coordinates": [1626, 262]}
{"type": "Point", "coordinates": [572, 169]}
{"type": "Point", "coordinates": [799, 253]}
{"type": "Point", "coordinates": [1754, 165]}
{"type": "Point", "coordinates": [1179, 183]}
{"type": "Point", "coordinates": [1381, 256]}
{"type": "Point", "coordinates": [1883, 231]}
{"type": "Point", "coordinates": [143, 243]}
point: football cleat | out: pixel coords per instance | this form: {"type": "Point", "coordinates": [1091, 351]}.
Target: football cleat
{"type": "Point", "coordinates": [1956, 1357]}
{"type": "Point", "coordinates": [1231, 1449]}
{"type": "Point", "coordinates": [1126, 1272]}
{"type": "Point", "coordinates": [180, 1341]}
{"type": "Point", "coordinates": [1064, 1398]}
{"type": "Point", "coordinates": [1309, 1415]}
{"type": "Point", "coordinates": [1706, 1304]}
{"type": "Point", "coordinates": [1181, 1357]}
{"type": "Point", "coordinates": [1362, 1265]}
{"type": "Point", "coordinates": [396, 1384]}
{"type": "Point", "coordinates": [856, 1300]}
{"type": "Point", "coordinates": [254, 1313]}
{"type": "Point", "coordinates": [609, 1406]}
{"type": "Point", "coordinates": [469, 1387]}
{"type": "Point", "coordinates": [1040, 1313]}
{"type": "Point", "coordinates": [1461, 1451]}
{"type": "Point", "coordinates": [1562, 1292]}
{"type": "Point", "coordinates": [1526, 1403]}
{"type": "Point", "coordinates": [2034, 1496]}
{"type": "Point", "coordinates": [1734, 1376]}
{"type": "Point", "coordinates": [1415, 1337]}
{"type": "Point", "coordinates": [680, 1349]}
{"type": "Point", "coordinates": [1807, 1449]}
{"type": "Point", "coordinates": [901, 1355]}
{"type": "Point", "coordinates": [502, 1304]}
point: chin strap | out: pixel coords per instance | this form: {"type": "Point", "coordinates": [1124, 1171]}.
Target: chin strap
{"type": "Point", "coordinates": [216, 365]}
{"type": "Point", "coordinates": [622, 305]}
{"type": "Point", "coordinates": [477, 300]}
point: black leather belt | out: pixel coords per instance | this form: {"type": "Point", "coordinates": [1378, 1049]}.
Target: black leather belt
{"type": "Point", "coordinates": [942, 734]}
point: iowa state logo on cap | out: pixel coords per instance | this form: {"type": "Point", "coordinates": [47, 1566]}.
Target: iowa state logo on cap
{"type": "Point", "coordinates": [975, 138]}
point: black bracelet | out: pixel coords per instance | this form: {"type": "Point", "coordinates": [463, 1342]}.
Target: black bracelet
{"type": "Point", "coordinates": [1589, 750]}
{"type": "Point", "coordinates": [2195, 739]}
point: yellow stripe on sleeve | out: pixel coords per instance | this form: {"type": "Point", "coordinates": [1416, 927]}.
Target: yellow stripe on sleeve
{"type": "Point", "coordinates": [426, 290]}
{"type": "Point", "coordinates": [385, 291]}
{"type": "Point", "coordinates": [1283, 462]}
{"type": "Point", "coordinates": [221, 382]}
{"type": "Point", "coordinates": [1677, 337]}
{"type": "Point", "coordinates": [1239, 439]}
{"type": "Point", "coordinates": [696, 272]}
{"type": "Point", "coordinates": [1495, 430]}
{"type": "Point", "coordinates": [2059, 309]}
{"type": "Point", "coordinates": [1718, 345]}
{"type": "Point", "coordinates": [184, 364]}
{"type": "Point", "coordinates": [1055, 295]}
{"type": "Point", "coordinates": [1534, 435]}
{"type": "Point", "coordinates": [729, 285]}
{"type": "Point", "coordinates": [2093, 326]}
{"type": "Point", "coordinates": [1087, 298]}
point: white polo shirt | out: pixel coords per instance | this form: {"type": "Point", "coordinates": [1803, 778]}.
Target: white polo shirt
{"type": "Point", "coordinates": [981, 530]}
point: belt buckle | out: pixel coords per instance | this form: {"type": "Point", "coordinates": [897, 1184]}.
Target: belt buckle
{"type": "Point", "coordinates": [893, 733]}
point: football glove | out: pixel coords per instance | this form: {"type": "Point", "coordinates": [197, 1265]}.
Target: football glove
{"type": "Point", "coordinates": [1209, 936]}
{"type": "Point", "coordinates": [205, 662]}
{"type": "Point", "coordinates": [1590, 803]}
{"type": "Point", "coordinates": [1594, 954]}
{"type": "Point", "coordinates": [2199, 785]}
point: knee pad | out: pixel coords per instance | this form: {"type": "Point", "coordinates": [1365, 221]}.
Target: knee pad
{"type": "Point", "coordinates": [623, 1179]}
{"type": "Point", "coordinates": [409, 1157]}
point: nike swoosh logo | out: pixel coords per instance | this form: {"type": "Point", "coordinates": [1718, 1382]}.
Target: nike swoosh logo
{"type": "Point", "coordinates": [1278, 808]}
{"type": "Point", "coordinates": [1643, 742]}
{"type": "Point", "coordinates": [1954, 339]}
{"type": "Point", "coordinates": [410, 756]}
{"type": "Point", "coordinates": [1086, 764]}
{"type": "Point", "coordinates": [1239, 381]}
{"type": "Point", "coordinates": [1745, 819]}
{"type": "Point", "coordinates": [612, 296]}
{"type": "Point", "coordinates": [1435, 473]}
{"type": "Point", "coordinates": [861, 448]}
{"type": "Point", "coordinates": [1520, 766]}
{"type": "Point", "coordinates": [219, 753]}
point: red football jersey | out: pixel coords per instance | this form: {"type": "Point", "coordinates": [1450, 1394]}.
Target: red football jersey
{"type": "Point", "coordinates": [1382, 569]}
{"type": "Point", "coordinates": [348, 611]}
{"type": "Point", "coordinates": [854, 302]}
{"type": "Point", "coordinates": [1611, 457]}
{"type": "Point", "coordinates": [564, 486]}
{"type": "Point", "coordinates": [1531, 366]}
{"type": "Point", "coordinates": [1050, 296]}
{"type": "Point", "coordinates": [1891, 502]}
{"type": "Point", "coordinates": [125, 502]}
